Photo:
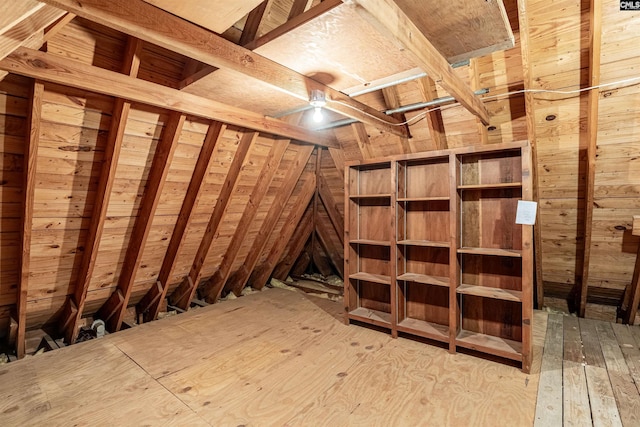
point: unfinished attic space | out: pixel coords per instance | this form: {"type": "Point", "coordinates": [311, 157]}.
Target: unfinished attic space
{"type": "Point", "coordinates": [319, 213]}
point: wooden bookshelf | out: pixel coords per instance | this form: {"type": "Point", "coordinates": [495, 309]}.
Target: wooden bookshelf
{"type": "Point", "coordinates": [432, 249]}
{"type": "Point", "coordinates": [369, 237]}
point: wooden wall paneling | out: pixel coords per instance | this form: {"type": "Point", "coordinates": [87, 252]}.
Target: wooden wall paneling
{"type": "Point", "coordinates": [29, 184]}
{"type": "Point", "coordinates": [150, 303]}
{"type": "Point", "coordinates": [301, 264]}
{"type": "Point", "coordinates": [595, 45]}
{"type": "Point", "coordinates": [434, 118]}
{"type": "Point", "coordinates": [47, 67]}
{"type": "Point", "coordinates": [400, 28]}
{"type": "Point", "coordinates": [321, 261]}
{"type": "Point", "coordinates": [330, 205]}
{"type": "Point", "coordinates": [74, 306]}
{"type": "Point", "coordinates": [153, 25]}
{"type": "Point", "coordinates": [334, 254]}
{"type": "Point", "coordinates": [299, 240]}
{"type": "Point", "coordinates": [250, 30]}
{"type": "Point", "coordinates": [113, 310]}
{"type": "Point", "coordinates": [527, 73]}
{"type": "Point", "coordinates": [238, 280]}
{"type": "Point", "coordinates": [293, 222]}
{"type": "Point", "coordinates": [213, 287]}
{"type": "Point", "coordinates": [183, 295]}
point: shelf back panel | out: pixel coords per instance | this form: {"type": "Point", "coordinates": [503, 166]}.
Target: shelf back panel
{"type": "Point", "coordinates": [428, 303]}
{"type": "Point", "coordinates": [488, 219]}
{"type": "Point", "coordinates": [492, 271]}
{"type": "Point", "coordinates": [374, 259]}
{"type": "Point", "coordinates": [492, 317]}
{"type": "Point", "coordinates": [375, 296]}
{"type": "Point", "coordinates": [491, 168]}
{"type": "Point", "coordinates": [424, 260]}
{"type": "Point", "coordinates": [424, 178]}
{"type": "Point", "coordinates": [426, 221]}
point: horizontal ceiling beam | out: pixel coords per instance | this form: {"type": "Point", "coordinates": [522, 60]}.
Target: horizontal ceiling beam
{"type": "Point", "coordinates": [387, 17]}
{"type": "Point", "coordinates": [148, 23]}
{"type": "Point", "coordinates": [51, 68]}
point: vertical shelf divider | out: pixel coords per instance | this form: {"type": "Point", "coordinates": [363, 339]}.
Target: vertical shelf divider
{"type": "Point", "coordinates": [454, 263]}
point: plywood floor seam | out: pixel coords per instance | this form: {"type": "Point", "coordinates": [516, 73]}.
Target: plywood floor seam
{"type": "Point", "coordinates": [272, 358]}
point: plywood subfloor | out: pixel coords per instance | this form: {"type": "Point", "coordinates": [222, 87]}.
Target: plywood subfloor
{"type": "Point", "coordinates": [590, 374]}
{"type": "Point", "coordinates": [273, 358]}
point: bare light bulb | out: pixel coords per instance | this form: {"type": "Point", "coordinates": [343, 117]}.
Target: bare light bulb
{"type": "Point", "coordinates": [317, 114]}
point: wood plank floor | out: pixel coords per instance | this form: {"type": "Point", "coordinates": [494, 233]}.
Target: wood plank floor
{"type": "Point", "coordinates": [590, 374]}
{"type": "Point", "coordinates": [272, 358]}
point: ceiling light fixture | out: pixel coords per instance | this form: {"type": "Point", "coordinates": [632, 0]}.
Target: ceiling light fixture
{"type": "Point", "coordinates": [317, 101]}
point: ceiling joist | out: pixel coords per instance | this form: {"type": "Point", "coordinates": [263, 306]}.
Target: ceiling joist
{"type": "Point", "coordinates": [391, 20]}
{"type": "Point", "coordinates": [39, 65]}
{"type": "Point", "coordinates": [139, 19]}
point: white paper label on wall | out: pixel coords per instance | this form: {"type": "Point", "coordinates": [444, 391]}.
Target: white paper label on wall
{"type": "Point", "coordinates": [526, 213]}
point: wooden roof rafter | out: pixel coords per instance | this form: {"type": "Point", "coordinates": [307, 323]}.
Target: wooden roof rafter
{"type": "Point", "coordinates": [149, 305]}
{"type": "Point", "coordinates": [74, 305]}
{"type": "Point", "coordinates": [113, 310]}
{"type": "Point", "coordinates": [261, 274]}
{"type": "Point", "coordinates": [213, 287]}
{"type": "Point", "coordinates": [30, 160]}
{"type": "Point", "coordinates": [142, 20]}
{"type": "Point", "coordinates": [183, 294]}
{"type": "Point", "coordinates": [238, 280]}
{"type": "Point", "coordinates": [392, 21]}
{"type": "Point", "coordinates": [31, 63]}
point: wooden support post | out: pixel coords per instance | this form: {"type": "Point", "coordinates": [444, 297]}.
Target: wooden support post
{"type": "Point", "coordinates": [238, 280]}
{"type": "Point", "coordinates": [390, 19]}
{"type": "Point", "coordinates": [261, 274]}
{"type": "Point", "coordinates": [29, 186]}
{"type": "Point", "coordinates": [213, 288]}
{"type": "Point", "coordinates": [634, 287]}
{"type": "Point", "coordinates": [72, 313]}
{"type": "Point", "coordinates": [531, 132]}
{"type": "Point", "coordinates": [155, 183]}
{"type": "Point", "coordinates": [434, 118]}
{"type": "Point", "coordinates": [527, 267]}
{"type": "Point", "coordinates": [145, 21]}
{"type": "Point", "coordinates": [595, 32]}
{"type": "Point", "coordinates": [150, 303]}
{"type": "Point", "coordinates": [183, 295]}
